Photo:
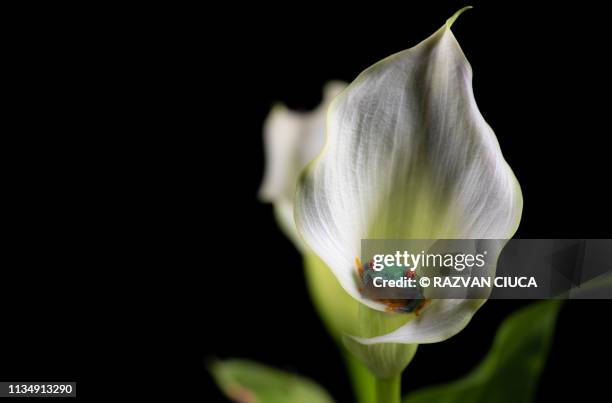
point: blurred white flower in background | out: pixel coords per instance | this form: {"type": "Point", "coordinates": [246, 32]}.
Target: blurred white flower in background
{"type": "Point", "coordinates": [291, 140]}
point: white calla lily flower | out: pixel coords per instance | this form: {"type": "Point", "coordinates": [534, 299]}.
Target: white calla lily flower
{"type": "Point", "coordinates": [292, 139]}
{"type": "Point", "coordinates": [408, 155]}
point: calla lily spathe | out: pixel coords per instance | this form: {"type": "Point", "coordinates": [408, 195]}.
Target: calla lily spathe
{"type": "Point", "coordinates": [291, 140]}
{"type": "Point", "coordinates": [408, 155]}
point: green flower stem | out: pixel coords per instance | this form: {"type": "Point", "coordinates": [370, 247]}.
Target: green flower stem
{"type": "Point", "coordinates": [389, 390]}
{"type": "Point", "coordinates": [339, 311]}
{"type": "Point", "coordinates": [342, 316]}
{"type": "Point", "coordinates": [362, 380]}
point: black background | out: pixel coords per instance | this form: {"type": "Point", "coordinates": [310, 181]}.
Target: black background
{"type": "Point", "coordinates": [135, 248]}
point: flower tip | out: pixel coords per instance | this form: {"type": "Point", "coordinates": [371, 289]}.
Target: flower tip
{"type": "Point", "coordinates": [278, 107]}
{"type": "Point", "coordinates": [332, 88]}
{"type": "Point", "coordinates": [452, 19]}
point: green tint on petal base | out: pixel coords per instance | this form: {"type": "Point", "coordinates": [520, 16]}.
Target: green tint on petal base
{"type": "Point", "coordinates": [341, 313]}
{"type": "Point", "coordinates": [384, 360]}
{"type": "Point", "coordinates": [345, 317]}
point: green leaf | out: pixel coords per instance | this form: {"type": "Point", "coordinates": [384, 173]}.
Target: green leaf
{"type": "Point", "coordinates": [248, 382]}
{"type": "Point", "coordinates": [511, 369]}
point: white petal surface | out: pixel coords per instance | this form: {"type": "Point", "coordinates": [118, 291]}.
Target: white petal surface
{"type": "Point", "coordinates": [408, 155]}
{"type": "Point", "coordinates": [441, 320]}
